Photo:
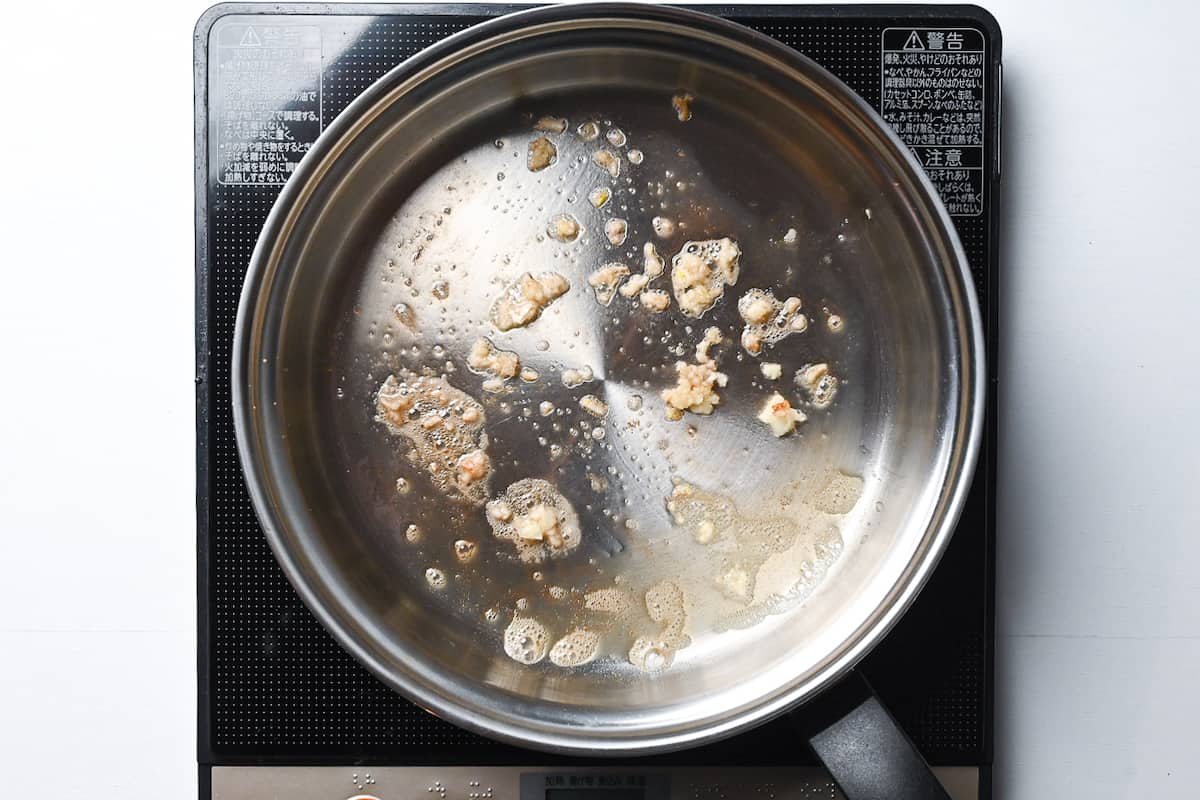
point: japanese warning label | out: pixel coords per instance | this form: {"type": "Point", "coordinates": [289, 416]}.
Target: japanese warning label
{"type": "Point", "coordinates": [933, 85]}
{"type": "Point", "coordinates": [267, 100]}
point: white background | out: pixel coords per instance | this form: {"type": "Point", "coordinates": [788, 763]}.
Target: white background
{"type": "Point", "coordinates": [1098, 690]}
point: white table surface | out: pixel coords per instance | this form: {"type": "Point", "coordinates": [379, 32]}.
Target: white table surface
{"type": "Point", "coordinates": [1099, 520]}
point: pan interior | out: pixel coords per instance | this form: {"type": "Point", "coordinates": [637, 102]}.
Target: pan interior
{"type": "Point", "coordinates": [432, 205]}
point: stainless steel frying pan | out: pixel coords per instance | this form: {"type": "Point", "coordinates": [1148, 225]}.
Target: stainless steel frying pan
{"type": "Point", "coordinates": [420, 194]}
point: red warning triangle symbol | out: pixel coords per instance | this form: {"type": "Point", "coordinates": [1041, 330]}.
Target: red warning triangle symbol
{"type": "Point", "coordinates": [250, 38]}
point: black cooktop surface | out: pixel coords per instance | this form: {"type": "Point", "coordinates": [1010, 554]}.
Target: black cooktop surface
{"type": "Point", "coordinates": [273, 685]}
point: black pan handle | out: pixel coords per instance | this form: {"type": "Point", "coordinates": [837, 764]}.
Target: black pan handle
{"type": "Point", "coordinates": [862, 746]}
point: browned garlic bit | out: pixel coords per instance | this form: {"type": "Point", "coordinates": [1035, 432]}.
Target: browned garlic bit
{"type": "Point", "coordinates": [446, 429]}
{"type": "Point", "coordinates": [700, 272]}
{"type": "Point", "coordinates": [768, 320]}
{"type": "Point", "coordinates": [542, 153]}
{"type": "Point", "coordinates": [588, 131]}
{"type": "Point", "coordinates": [536, 518]}
{"type": "Point", "coordinates": [778, 415]}
{"type": "Point", "coordinates": [600, 196]}
{"type": "Point", "coordinates": [486, 358]}
{"type": "Point", "coordinates": [529, 375]}
{"type": "Point", "coordinates": [551, 125]}
{"type": "Point", "coordinates": [563, 228]}
{"type": "Point", "coordinates": [682, 103]}
{"type": "Point", "coordinates": [608, 161]}
{"type": "Point", "coordinates": [524, 299]}
{"type": "Point", "coordinates": [655, 300]}
{"type": "Point", "coordinates": [818, 383]}
{"type": "Point", "coordinates": [615, 230]}
{"type": "Point", "coordinates": [605, 280]}
{"type": "Point", "coordinates": [664, 227]}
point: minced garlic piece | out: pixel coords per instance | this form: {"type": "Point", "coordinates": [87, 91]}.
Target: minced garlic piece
{"type": "Point", "coordinates": [758, 310]}
{"type": "Point", "coordinates": [652, 263]}
{"type": "Point", "coordinates": [538, 523]}
{"type": "Point", "coordinates": [564, 228]}
{"type": "Point", "coordinates": [634, 285]}
{"type": "Point", "coordinates": [573, 377]}
{"type": "Point", "coordinates": [818, 383]}
{"type": "Point", "coordinates": [394, 401]}
{"type": "Point", "coordinates": [770, 370]}
{"type": "Point", "coordinates": [524, 299]}
{"type": "Point", "coordinates": [486, 357]}
{"type": "Point", "coordinates": [473, 466]}
{"type": "Point", "coordinates": [608, 161]}
{"type": "Point", "coordinates": [655, 300]}
{"type": "Point", "coordinates": [712, 336]}
{"type": "Point", "coordinates": [664, 227]}
{"type": "Point", "coordinates": [445, 427]}
{"type": "Point", "coordinates": [550, 125]}
{"type": "Point", "coordinates": [615, 230]}
{"type": "Point", "coordinates": [542, 153]}
{"type": "Point", "coordinates": [778, 415]}
{"type": "Point", "coordinates": [605, 280]}
{"type": "Point", "coordinates": [600, 196]}
{"type": "Point", "coordinates": [695, 389]}
{"type": "Point", "coordinates": [593, 405]}
{"type": "Point", "coordinates": [768, 320]}
{"type": "Point", "coordinates": [700, 272]}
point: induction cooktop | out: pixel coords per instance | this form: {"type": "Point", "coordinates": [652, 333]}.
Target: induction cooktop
{"type": "Point", "coordinates": [283, 711]}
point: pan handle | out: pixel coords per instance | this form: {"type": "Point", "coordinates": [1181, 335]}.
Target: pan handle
{"type": "Point", "coordinates": [863, 747]}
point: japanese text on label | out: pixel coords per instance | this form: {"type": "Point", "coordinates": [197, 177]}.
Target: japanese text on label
{"type": "Point", "coordinates": [267, 100]}
{"type": "Point", "coordinates": [933, 97]}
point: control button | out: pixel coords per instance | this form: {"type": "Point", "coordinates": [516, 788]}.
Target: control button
{"type": "Point", "coordinates": [362, 797]}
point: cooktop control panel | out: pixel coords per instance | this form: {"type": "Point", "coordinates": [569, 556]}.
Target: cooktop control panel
{"type": "Point", "coordinates": [532, 783]}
